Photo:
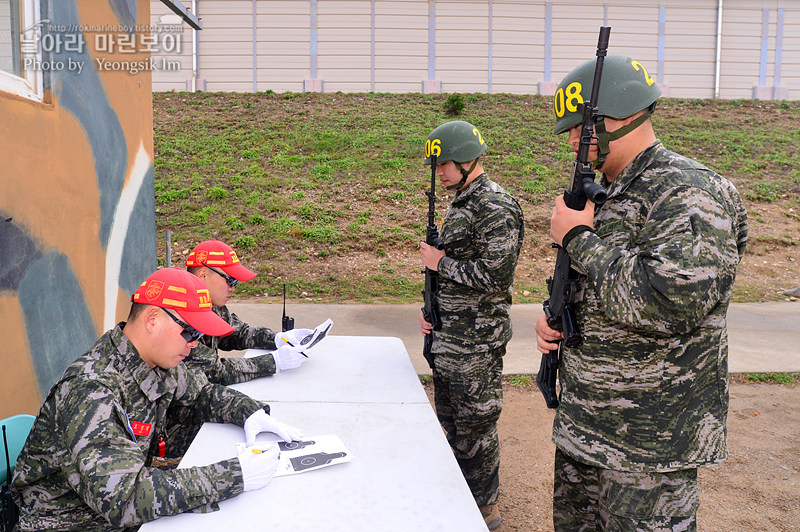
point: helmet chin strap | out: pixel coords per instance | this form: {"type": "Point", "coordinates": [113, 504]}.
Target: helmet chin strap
{"type": "Point", "coordinates": [604, 136]}
{"type": "Point", "coordinates": [464, 175]}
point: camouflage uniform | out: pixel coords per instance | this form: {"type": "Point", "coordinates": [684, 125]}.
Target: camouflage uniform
{"type": "Point", "coordinates": [482, 232]}
{"type": "Point", "coordinates": [86, 463]}
{"type": "Point", "coordinates": [647, 390]}
{"type": "Point", "coordinates": [181, 428]}
{"type": "Point", "coordinates": [230, 370]}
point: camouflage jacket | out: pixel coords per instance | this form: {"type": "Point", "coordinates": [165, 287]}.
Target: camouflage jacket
{"type": "Point", "coordinates": [86, 463]}
{"type": "Point", "coordinates": [647, 390]}
{"type": "Point", "coordinates": [230, 370]}
{"type": "Point", "coordinates": [482, 231]}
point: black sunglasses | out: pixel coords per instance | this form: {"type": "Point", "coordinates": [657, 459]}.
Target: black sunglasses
{"type": "Point", "coordinates": [228, 279]}
{"type": "Point", "coordinates": [189, 333]}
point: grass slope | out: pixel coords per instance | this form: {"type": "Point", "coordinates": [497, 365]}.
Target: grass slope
{"type": "Point", "coordinates": [325, 192]}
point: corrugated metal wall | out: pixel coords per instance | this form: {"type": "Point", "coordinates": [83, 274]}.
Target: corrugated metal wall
{"type": "Point", "coordinates": [484, 45]}
{"type": "Point", "coordinates": [5, 37]}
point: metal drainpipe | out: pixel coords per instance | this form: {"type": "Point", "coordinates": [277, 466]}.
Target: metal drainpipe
{"type": "Point", "coordinates": [195, 52]}
{"type": "Point", "coordinates": [719, 49]}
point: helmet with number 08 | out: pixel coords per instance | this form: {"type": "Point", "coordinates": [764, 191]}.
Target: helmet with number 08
{"type": "Point", "coordinates": [625, 89]}
{"type": "Point", "coordinates": [456, 141]}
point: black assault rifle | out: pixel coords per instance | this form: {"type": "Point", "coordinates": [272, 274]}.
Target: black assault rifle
{"type": "Point", "coordinates": [430, 310]}
{"type": "Point", "coordinates": [561, 287]}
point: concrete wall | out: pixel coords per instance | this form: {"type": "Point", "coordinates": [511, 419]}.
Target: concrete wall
{"type": "Point", "coordinates": [77, 181]}
{"type": "Point", "coordinates": [486, 45]}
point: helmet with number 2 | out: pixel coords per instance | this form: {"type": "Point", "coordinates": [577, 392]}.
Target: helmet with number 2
{"type": "Point", "coordinates": [456, 141]}
{"type": "Point", "coordinates": [625, 89]}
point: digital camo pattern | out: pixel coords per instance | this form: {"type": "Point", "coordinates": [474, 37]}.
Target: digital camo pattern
{"type": "Point", "coordinates": [230, 370]}
{"type": "Point", "coordinates": [181, 426]}
{"type": "Point", "coordinates": [468, 395]}
{"type": "Point", "coordinates": [592, 498]}
{"type": "Point", "coordinates": [83, 468]}
{"type": "Point", "coordinates": [648, 388]}
{"type": "Point", "coordinates": [482, 231]}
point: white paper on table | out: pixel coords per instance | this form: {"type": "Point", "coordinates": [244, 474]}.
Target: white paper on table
{"type": "Point", "coordinates": [311, 453]}
{"type": "Point", "coordinates": [319, 333]}
{"type": "Point", "coordinates": [307, 454]}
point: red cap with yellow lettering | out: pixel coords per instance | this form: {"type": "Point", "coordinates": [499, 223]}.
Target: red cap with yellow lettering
{"type": "Point", "coordinates": [184, 293]}
{"type": "Point", "coordinates": [216, 254]}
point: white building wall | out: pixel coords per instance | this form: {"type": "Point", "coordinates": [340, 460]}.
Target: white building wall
{"type": "Point", "coordinates": [517, 46]}
{"type": "Point", "coordinates": [283, 49]}
{"type": "Point", "coordinates": [480, 45]}
{"type": "Point", "coordinates": [5, 37]}
{"type": "Point", "coordinates": [401, 45]}
{"type": "Point", "coordinates": [178, 78]}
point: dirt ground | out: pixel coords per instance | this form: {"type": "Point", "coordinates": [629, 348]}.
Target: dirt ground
{"type": "Point", "coordinates": [756, 489]}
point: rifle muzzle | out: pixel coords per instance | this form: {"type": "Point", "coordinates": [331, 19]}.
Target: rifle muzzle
{"type": "Point", "coordinates": [594, 192]}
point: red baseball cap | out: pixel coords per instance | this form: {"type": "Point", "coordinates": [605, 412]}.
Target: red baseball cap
{"type": "Point", "coordinates": [220, 255]}
{"type": "Point", "coordinates": [184, 293]}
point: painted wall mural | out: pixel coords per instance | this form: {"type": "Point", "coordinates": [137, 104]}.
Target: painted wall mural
{"type": "Point", "coordinates": [77, 212]}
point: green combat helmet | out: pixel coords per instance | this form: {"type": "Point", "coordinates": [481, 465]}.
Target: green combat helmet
{"type": "Point", "coordinates": [625, 89]}
{"type": "Point", "coordinates": [456, 141]}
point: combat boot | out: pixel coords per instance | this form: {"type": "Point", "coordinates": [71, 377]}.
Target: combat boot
{"type": "Point", "coordinates": [491, 515]}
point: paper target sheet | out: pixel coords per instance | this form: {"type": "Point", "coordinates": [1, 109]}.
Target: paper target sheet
{"type": "Point", "coordinates": [308, 454]}
{"type": "Point", "coordinates": [309, 341]}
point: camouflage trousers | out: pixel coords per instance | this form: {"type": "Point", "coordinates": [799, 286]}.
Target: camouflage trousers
{"type": "Point", "coordinates": [468, 396]}
{"type": "Point", "coordinates": [587, 498]}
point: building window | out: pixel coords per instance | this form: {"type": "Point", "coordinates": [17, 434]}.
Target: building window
{"type": "Point", "coordinates": [21, 30]}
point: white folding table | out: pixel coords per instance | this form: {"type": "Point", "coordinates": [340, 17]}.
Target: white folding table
{"type": "Point", "coordinates": [402, 477]}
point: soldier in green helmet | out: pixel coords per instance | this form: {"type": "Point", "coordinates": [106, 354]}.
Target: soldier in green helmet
{"type": "Point", "coordinates": [482, 232]}
{"type": "Point", "coordinates": [644, 397]}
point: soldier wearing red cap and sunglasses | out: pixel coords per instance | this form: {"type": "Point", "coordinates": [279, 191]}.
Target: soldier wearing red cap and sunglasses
{"type": "Point", "coordinates": [217, 265]}
{"type": "Point", "coordinates": [87, 463]}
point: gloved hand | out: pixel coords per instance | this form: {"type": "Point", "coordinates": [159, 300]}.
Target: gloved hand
{"type": "Point", "coordinates": [287, 357]}
{"type": "Point", "coordinates": [291, 337]}
{"type": "Point", "coordinates": [258, 466]}
{"type": "Point", "coordinates": [259, 421]}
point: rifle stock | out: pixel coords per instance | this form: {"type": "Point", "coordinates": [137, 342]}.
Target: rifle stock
{"type": "Point", "coordinates": [430, 309]}
{"type": "Point", "coordinates": [562, 286]}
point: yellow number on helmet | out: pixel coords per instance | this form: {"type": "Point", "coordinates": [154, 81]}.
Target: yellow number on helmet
{"type": "Point", "coordinates": [558, 103]}
{"type": "Point", "coordinates": [433, 147]}
{"type": "Point", "coordinates": [477, 134]}
{"type": "Point", "coordinates": [573, 93]}
{"type": "Point", "coordinates": [637, 65]}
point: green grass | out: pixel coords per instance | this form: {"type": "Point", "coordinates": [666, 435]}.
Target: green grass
{"type": "Point", "coordinates": [773, 378]}
{"type": "Point", "coordinates": [521, 380]}
{"type": "Point", "coordinates": [316, 190]}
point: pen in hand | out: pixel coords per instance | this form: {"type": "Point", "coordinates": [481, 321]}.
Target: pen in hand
{"type": "Point", "coordinates": [291, 344]}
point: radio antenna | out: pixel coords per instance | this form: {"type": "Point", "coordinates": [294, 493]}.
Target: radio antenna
{"type": "Point", "coordinates": [287, 323]}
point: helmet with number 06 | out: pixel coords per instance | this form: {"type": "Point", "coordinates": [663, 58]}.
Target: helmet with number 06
{"type": "Point", "coordinates": [625, 89]}
{"type": "Point", "coordinates": [456, 141]}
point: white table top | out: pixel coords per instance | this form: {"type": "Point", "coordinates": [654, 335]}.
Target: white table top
{"type": "Point", "coordinates": [403, 475]}
{"type": "Point", "coordinates": [345, 369]}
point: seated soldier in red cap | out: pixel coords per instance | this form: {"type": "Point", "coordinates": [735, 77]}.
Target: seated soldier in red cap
{"type": "Point", "coordinates": [217, 265]}
{"type": "Point", "coordinates": [87, 463]}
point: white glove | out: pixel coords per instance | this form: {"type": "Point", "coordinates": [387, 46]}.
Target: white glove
{"type": "Point", "coordinates": [287, 357]}
{"type": "Point", "coordinates": [259, 421]}
{"type": "Point", "coordinates": [258, 466]}
{"type": "Point", "coordinates": [291, 337]}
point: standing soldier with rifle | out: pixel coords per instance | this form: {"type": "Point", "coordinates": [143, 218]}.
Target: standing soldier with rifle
{"type": "Point", "coordinates": [482, 234]}
{"type": "Point", "coordinates": [644, 387]}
